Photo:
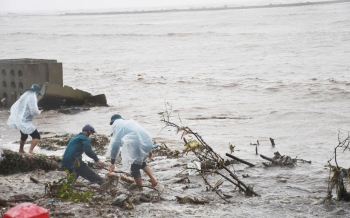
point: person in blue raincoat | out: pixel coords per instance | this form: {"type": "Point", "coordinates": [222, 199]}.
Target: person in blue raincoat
{"type": "Point", "coordinates": [72, 157]}
{"type": "Point", "coordinates": [136, 145]}
{"type": "Point", "coordinates": [22, 114]}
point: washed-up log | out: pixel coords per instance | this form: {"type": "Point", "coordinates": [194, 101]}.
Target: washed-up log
{"type": "Point", "coordinates": [127, 179]}
{"type": "Point", "coordinates": [34, 180]}
{"type": "Point", "coordinates": [240, 160]}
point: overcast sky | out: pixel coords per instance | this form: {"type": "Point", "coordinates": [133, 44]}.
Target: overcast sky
{"type": "Point", "coordinates": [107, 5]}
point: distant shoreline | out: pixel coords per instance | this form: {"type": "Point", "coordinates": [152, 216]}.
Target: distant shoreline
{"type": "Point", "coordinates": [208, 9]}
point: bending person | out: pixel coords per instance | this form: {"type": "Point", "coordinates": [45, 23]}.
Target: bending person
{"type": "Point", "coordinates": [22, 114]}
{"type": "Point", "coordinates": [72, 157]}
{"type": "Point", "coordinates": [137, 146]}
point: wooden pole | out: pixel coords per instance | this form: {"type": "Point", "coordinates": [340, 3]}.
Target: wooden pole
{"type": "Point", "coordinates": [272, 142]}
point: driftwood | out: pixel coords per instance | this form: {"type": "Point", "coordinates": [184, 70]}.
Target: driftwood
{"type": "Point", "coordinates": [127, 179]}
{"type": "Point", "coordinates": [194, 143]}
{"type": "Point", "coordinates": [240, 160]}
{"type": "Point", "coordinates": [34, 180]}
{"type": "Point", "coordinates": [279, 160]}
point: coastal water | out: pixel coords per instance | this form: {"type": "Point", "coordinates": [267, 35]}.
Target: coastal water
{"type": "Point", "coordinates": [233, 76]}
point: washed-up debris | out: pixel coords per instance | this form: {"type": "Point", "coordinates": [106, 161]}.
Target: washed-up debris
{"type": "Point", "coordinates": [127, 179]}
{"type": "Point", "coordinates": [282, 160]}
{"type": "Point", "coordinates": [99, 142]}
{"type": "Point", "coordinates": [194, 143]}
{"type": "Point", "coordinates": [15, 162]}
{"type": "Point", "coordinates": [164, 150]}
{"type": "Point", "coordinates": [127, 201]}
{"type": "Point", "coordinates": [194, 200]}
{"type": "Point", "coordinates": [340, 178]}
{"type": "Point", "coordinates": [183, 180]}
{"type": "Point", "coordinates": [216, 185]}
{"type": "Point", "coordinates": [54, 142]}
{"type": "Point", "coordinates": [111, 178]}
{"type": "Point", "coordinates": [15, 198]}
{"type": "Point", "coordinates": [279, 160]}
{"type": "Point", "coordinates": [210, 164]}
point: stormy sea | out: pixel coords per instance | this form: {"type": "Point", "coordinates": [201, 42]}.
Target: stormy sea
{"type": "Point", "coordinates": [233, 76]}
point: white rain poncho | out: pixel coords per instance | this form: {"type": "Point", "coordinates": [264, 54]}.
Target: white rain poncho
{"type": "Point", "coordinates": [135, 140]}
{"type": "Point", "coordinates": [23, 112]}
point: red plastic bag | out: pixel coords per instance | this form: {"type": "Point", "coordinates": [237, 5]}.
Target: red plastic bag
{"type": "Point", "coordinates": [27, 210]}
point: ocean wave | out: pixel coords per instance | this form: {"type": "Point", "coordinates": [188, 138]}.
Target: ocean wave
{"type": "Point", "coordinates": [226, 85]}
{"type": "Point", "coordinates": [194, 34]}
{"type": "Point", "coordinates": [19, 34]}
{"type": "Point", "coordinates": [222, 117]}
{"type": "Point", "coordinates": [112, 35]}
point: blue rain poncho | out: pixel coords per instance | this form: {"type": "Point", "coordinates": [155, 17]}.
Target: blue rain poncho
{"type": "Point", "coordinates": [23, 112]}
{"type": "Point", "coordinates": [135, 140]}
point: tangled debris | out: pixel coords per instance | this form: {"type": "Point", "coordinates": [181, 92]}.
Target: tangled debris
{"type": "Point", "coordinates": [164, 150]}
{"type": "Point", "coordinates": [281, 160]}
{"type": "Point", "coordinates": [68, 189]}
{"type": "Point", "coordinates": [336, 181]}
{"type": "Point", "coordinates": [99, 142]}
{"type": "Point", "coordinates": [54, 142]}
{"type": "Point", "coordinates": [15, 162]}
{"type": "Point", "coordinates": [194, 143]}
{"type": "Point", "coordinates": [186, 199]}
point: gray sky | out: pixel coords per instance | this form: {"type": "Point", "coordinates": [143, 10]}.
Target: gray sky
{"type": "Point", "coordinates": [110, 5]}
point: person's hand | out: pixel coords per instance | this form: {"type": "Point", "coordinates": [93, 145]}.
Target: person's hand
{"type": "Point", "coordinates": [150, 155]}
{"type": "Point", "coordinates": [111, 168]}
{"type": "Point", "coordinates": [100, 163]}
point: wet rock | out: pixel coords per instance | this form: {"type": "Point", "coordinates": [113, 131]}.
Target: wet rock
{"type": "Point", "coordinates": [119, 201]}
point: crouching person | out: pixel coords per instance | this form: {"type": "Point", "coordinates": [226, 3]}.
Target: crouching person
{"type": "Point", "coordinates": [72, 157]}
{"type": "Point", "coordinates": [137, 146]}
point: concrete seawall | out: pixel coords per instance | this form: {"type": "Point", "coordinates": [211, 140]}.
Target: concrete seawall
{"type": "Point", "coordinates": [18, 75]}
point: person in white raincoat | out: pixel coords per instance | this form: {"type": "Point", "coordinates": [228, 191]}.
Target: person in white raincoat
{"type": "Point", "coordinates": [136, 145]}
{"type": "Point", "coordinates": [22, 114]}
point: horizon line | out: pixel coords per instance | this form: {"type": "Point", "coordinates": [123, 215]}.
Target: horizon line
{"type": "Point", "coordinates": [206, 8]}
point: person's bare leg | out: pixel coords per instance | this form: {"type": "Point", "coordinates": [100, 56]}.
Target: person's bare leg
{"type": "Point", "coordinates": [148, 171]}
{"type": "Point", "coordinates": [32, 145]}
{"type": "Point", "coordinates": [21, 146]}
{"type": "Point", "coordinates": [139, 183]}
